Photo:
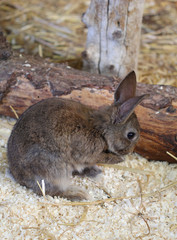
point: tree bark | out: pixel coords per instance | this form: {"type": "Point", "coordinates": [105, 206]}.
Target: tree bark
{"type": "Point", "coordinates": [113, 36]}
{"type": "Point", "coordinates": [25, 80]}
{"type": "Point", "coordinates": [5, 50]}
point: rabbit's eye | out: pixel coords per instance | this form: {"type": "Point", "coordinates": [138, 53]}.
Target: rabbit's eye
{"type": "Point", "coordinates": [130, 135]}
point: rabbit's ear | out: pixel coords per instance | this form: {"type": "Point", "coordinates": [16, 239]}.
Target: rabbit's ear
{"type": "Point", "coordinates": [126, 89]}
{"type": "Point", "coordinates": [126, 109]}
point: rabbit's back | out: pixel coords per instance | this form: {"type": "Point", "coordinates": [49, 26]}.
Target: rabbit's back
{"type": "Point", "coordinates": [59, 126]}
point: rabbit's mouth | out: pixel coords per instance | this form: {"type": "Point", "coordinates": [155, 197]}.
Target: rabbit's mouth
{"type": "Point", "coordinates": [125, 151]}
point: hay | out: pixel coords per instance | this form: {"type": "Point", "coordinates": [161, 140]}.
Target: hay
{"type": "Point", "coordinates": [171, 155]}
{"type": "Point", "coordinates": [158, 51]}
{"type": "Point", "coordinates": [54, 29]}
{"type": "Point", "coordinates": [51, 29]}
{"type": "Point", "coordinates": [15, 113]}
{"type": "Point", "coordinates": [133, 170]}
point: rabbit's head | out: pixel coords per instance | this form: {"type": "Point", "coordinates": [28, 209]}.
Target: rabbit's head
{"type": "Point", "coordinates": [122, 132]}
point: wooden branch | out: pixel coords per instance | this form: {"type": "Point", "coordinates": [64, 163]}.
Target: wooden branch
{"type": "Point", "coordinates": [113, 36]}
{"type": "Point", "coordinates": [25, 80]}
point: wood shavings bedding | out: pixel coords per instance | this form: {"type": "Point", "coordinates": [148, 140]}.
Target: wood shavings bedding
{"type": "Point", "coordinates": [150, 214]}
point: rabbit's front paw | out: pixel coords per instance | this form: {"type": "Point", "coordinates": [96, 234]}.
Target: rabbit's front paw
{"type": "Point", "coordinates": [110, 158]}
{"type": "Point", "coordinates": [91, 171]}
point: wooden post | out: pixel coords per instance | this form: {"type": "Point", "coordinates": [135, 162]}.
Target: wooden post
{"type": "Point", "coordinates": [113, 36]}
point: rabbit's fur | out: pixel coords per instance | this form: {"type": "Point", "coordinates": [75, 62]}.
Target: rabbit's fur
{"type": "Point", "coordinates": [56, 138]}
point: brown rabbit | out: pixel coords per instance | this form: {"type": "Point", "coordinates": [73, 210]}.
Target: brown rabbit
{"type": "Point", "coordinates": [56, 138]}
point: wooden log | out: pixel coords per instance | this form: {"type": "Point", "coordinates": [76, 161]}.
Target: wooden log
{"type": "Point", "coordinates": [25, 80]}
{"type": "Point", "coordinates": [113, 36]}
{"type": "Point", "coordinates": [5, 50]}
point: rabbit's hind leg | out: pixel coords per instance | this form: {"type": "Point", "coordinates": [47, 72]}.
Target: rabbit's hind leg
{"type": "Point", "coordinates": [74, 193]}
{"type": "Point", "coordinates": [41, 164]}
{"type": "Point", "coordinates": [60, 188]}
{"type": "Point", "coordinates": [33, 183]}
